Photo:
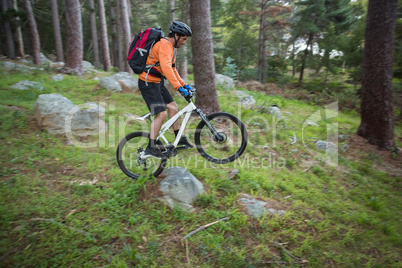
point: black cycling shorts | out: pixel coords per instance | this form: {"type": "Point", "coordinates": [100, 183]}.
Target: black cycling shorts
{"type": "Point", "coordinates": [155, 95]}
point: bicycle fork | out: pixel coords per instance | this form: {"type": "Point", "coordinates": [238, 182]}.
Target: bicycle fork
{"type": "Point", "coordinates": [217, 136]}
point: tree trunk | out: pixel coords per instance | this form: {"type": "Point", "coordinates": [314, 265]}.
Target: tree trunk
{"type": "Point", "coordinates": [104, 39]}
{"type": "Point", "coordinates": [94, 31]}
{"type": "Point", "coordinates": [304, 58]}
{"type": "Point", "coordinates": [262, 61]}
{"type": "Point", "coordinates": [57, 32]}
{"type": "Point", "coordinates": [9, 33]}
{"type": "Point", "coordinates": [121, 53]}
{"type": "Point", "coordinates": [74, 38]}
{"type": "Point", "coordinates": [293, 57]}
{"type": "Point", "coordinates": [173, 9]}
{"type": "Point", "coordinates": [20, 40]}
{"type": "Point", "coordinates": [35, 39]}
{"type": "Point", "coordinates": [377, 113]}
{"type": "Point", "coordinates": [113, 28]}
{"type": "Point", "coordinates": [203, 56]}
{"type": "Point", "coordinates": [183, 70]}
{"type": "Point", "coordinates": [126, 31]}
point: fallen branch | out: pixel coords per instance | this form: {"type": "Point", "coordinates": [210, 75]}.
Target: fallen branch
{"type": "Point", "coordinates": [65, 225]}
{"type": "Point", "coordinates": [203, 227]}
{"type": "Point", "coordinates": [287, 252]}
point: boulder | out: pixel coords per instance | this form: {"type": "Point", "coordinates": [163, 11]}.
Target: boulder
{"type": "Point", "coordinates": [257, 208]}
{"type": "Point", "coordinates": [240, 94]}
{"type": "Point", "coordinates": [110, 84]}
{"type": "Point", "coordinates": [54, 111]}
{"type": "Point", "coordinates": [11, 66]}
{"type": "Point", "coordinates": [126, 80]}
{"type": "Point", "coordinates": [44, 59]}
{"type": "Point", "coordinates": [87, 67]}
{"type": "Point", "coordinates": [224, 80]}
{"type": "Point", "coordinates": [180, 188]}
{"type": "Point", "coordinates": [120, 81]}
{"type": "Point", "coordinates": [326, 146]}
{"type": "Point", "coordinates": [275, 111]}
{"type": "Point", "coordinates": [27, 85]}
{"type": "Point", "coordinates": [57, 77]}
{"type": "Point", "coordinates": [247, 102]}
{"type": "Point", "coordinates": [57, 64]}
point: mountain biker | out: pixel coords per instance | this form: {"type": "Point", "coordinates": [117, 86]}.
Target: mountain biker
{"type": "Point", "coordinates": [152, 87]}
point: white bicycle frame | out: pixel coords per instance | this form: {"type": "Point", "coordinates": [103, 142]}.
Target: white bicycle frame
{"type": "Point", "coordinates": [165, 127]}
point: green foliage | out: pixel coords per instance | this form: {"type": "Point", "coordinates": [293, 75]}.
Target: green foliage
{"type": "Point", "coordinates": [276, 66]}
{"type": "Point", "coordinates": [51, 215]}
{"type": "Point", "coordinates": [230, 68]}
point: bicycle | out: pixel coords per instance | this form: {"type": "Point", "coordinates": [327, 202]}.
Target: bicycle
{"type": "Point", "coordinates": [219, 137]}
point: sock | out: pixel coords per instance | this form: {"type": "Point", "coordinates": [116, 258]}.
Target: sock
{"type": "Point", "coordinates": [152, 143]}
{"type": "Point", "coordinates": [176, 132]}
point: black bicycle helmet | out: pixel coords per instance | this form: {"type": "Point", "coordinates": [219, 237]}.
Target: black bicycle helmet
{"type": "Point", "coordinates": [180, 28]}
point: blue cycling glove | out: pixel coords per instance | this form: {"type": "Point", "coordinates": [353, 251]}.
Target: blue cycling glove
{"type": "Point", "coordinates": [188, 87]}
{"type": "Point", "coordinates": [183, 91]}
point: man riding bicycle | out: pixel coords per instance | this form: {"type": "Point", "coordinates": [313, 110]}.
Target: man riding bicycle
{"type": "Point", "coordinates": [163, 57]}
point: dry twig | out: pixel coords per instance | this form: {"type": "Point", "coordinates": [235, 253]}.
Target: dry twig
{"type": "Point", "coordinates": [287, 252]}
{"type": "Point", "coordinates": [203, 228]}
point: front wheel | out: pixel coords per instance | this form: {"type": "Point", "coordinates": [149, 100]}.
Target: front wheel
{"type": "Point", "coordinates": [230, 144]}
{"type": "Point", "coordinates": [128, 157]}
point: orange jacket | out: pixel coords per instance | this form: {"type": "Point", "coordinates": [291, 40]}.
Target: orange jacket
{"type": "Point", "coordinates": [163, 53]}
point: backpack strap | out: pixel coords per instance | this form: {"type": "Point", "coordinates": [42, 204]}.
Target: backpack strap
{"type": "Point", "coordinates": [150, 67]}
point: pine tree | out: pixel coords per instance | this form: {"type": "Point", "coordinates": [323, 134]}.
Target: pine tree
{"type": "Point", "coordinates": [57, 32]}
{"type": "Point", "coordinates": [377, 113]}
{"type": "Point", "coordinates": [35, 39]}
{"type": "Point", "coordinates": [203, 56]}
{"type": "Point", "coordinates": [74, 38]}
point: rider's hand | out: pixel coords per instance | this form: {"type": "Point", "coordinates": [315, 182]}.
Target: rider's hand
{"type": "Point", "coordinates": [188, 87]}
{"type": "Point", "coordinates": [183, 91]}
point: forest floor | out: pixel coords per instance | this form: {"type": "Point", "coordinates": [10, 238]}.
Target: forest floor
{"type": "Point", "coordinates": [62, 205]}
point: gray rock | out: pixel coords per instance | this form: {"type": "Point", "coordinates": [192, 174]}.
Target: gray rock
{"type": "Point", "coordinates": [54, 112]}
{"type": "Point", "coordinates": [11, 66]}
{"type": "Point", "coordinates": [275, 111]}
{"type": "Point", "coordinates": [57, 77]}
{"type": "Point", "coordinates": [88, 120]}
{"type": "Point", "coordinates": [57, 64]}
{"type": "Point", "coordinates": [325, 146]}
{"type": "Point", "coordinates": [247, 102]}
{"type": "Point", "coordinates": [180, 188]}
{"type": "Point", "coordinates": [240, 94]}
{"type": "Point", "coordinates": [224, 80]}
{"type": "Point", "coordinates": [114, 83]}
{"type": "Point", "coordinates": [44, 59]}
{"type": "Point", "coordinates": [27, 85]}
{"type": "Point", "coordinates": [257, 208]}
{"type": "Point", "coordinates": [343, 137]}
{"type": "Point", "coordinates": [127, 80]}
{"type": "Point", "coordinates": [87, 67]}
{"type": "Point", "coordinates": [110, 84]}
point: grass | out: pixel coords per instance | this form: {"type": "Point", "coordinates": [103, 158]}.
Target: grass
{"type": "Point", "coordinates": [342, 216]}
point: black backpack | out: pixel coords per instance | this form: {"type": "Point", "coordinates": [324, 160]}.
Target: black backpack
{"type": "Point", "coordinates": [140, 48]}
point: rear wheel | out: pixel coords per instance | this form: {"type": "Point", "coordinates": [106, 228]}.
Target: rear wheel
{"type": "Point", "coordinates": [232, 142]}
{"type": "Point", "coordinates": [128, 157]}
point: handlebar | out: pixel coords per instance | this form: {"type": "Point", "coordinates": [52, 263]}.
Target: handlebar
{"type": "Point", "coordinates": [190, 94]}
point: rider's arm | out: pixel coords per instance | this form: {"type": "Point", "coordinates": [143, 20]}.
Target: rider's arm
{"type": "Point", "coordinates": [165, 60]}
{"type": "Point", "coordinates": [182, 83]}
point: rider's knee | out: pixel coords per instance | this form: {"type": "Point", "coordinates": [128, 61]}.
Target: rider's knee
{"type": "Point", "coordinates": [173, 107]}
{"type": "Point", "coordinates": [162, 115]}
